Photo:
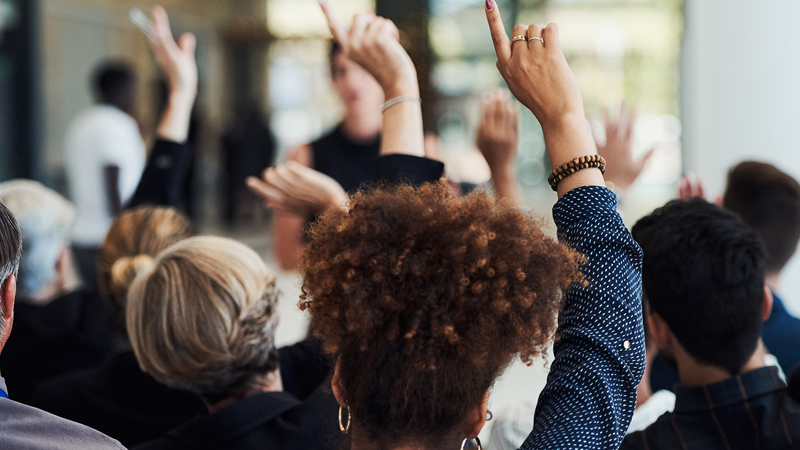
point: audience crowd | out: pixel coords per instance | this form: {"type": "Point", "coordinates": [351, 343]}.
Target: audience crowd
{"type": "Point", "coordinates": [420, 293]}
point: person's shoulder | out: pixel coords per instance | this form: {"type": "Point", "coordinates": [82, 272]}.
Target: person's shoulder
{"type": "Point", "coordinates": [39, 429]}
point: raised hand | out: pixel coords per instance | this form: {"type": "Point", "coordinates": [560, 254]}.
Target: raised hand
{"type": "Point", "coordinates": [177, 59]}
{"type": "Point", "coordinates": [538, 75]}
{"type": "Point", "coordinates": [373, 43]}
{"type": "Point", "coordinates": [297, 189]}
{"type": "Point", "coordinates": [498, 137]}
{"type": "Point", "coordinates": [178, 63]}
{"type": "Point", "coordinates": [691, 187]}
{"type": "Point", "coordinates": [622, 169]}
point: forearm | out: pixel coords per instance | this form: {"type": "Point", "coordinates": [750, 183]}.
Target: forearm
{"type": "Point", "coordinates": [507, 186]}
{"type": "Point", "coordinates": [565, 140]}
{"type": "Point", "coordinates": [174, 124]}
{"type": "Point", "coordinates": [402, 123]}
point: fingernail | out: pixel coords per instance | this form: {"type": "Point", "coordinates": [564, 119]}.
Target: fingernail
{"type": "Point", "coordinates": [490, 4]}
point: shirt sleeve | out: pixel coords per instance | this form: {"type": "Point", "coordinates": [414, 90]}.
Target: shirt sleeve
{"type": "Point", "coordinates": [406, 169]}
{"type": "Point", "coordinates": [590, 395]}
{"type": "Point", "coordinates": [164, 175]}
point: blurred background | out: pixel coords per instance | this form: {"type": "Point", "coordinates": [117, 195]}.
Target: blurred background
{"type": "Point", "coordinates": [715, 82]}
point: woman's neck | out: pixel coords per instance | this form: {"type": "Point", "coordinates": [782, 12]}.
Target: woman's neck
{"type": "Point", "coordinates": [260, 384]}
{"type": "Point", "coordinates": [362, 127]}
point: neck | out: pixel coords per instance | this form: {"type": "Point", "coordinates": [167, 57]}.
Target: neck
{"type": "Point", "coordinates": [362, 127]}
{"type": "Point", "coordinates": [258, 385]}
{"type": "Point", "coordinates": [644, 391]}
{"type": "Point", "coordinates": [773, 281]}
{"type": "Point", "coordinates": [694, 373]}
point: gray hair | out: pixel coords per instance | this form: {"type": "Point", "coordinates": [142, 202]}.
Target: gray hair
{"type": "Point", "coordinates": [10, 251]}
{"type": "Point", "coordinates": [46, 219]}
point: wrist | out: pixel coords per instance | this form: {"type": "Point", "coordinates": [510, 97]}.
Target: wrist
{"type": "Point", "coordinates": [567, 139]}
{"type": "Point", "coordinates": [182, 97]}
{"type": "Point", "coordinates": [400, 88]}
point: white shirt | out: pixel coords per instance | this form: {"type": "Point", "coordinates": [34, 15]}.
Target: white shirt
{"type": "Point", "coordinates": [98, 137]}
{"type": "Point", "coordinates": [660, 403]}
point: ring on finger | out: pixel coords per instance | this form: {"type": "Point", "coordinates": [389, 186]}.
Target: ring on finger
{"type": "Point", "coordinates": [519, 38]}
{"type": "Point", "coordinates": [536, 39]}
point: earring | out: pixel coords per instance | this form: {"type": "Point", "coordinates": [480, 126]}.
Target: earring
{"type": "Point", "coordinates": [464, 444]}
{"type": "Point", "coordinates": [345, 429]}
{"type": "Point", "coordinates": [489, 415]}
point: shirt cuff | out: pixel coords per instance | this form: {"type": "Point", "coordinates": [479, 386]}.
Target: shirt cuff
{"type": "Point", "coordinates": [583, 202]}
{"type": "Point", "coordinates": [406, 169]}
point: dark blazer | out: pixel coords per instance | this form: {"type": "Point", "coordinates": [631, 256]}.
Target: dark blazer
{"type": "Point", "coordinates": [72, 332]}
{"type": "Point", "coordinates": [119, 400]}
{"type": "Point", "coordinates": [273, 420]}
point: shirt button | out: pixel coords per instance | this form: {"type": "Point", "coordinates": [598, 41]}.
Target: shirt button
{"type": "Point", "coordinates": [626, 345]}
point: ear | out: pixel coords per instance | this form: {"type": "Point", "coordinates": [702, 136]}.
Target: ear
{"type": "Point", "coordinates": [338, 387]}
{"type": "Point", "coordinates": [477, 418]}
{"type": "Point", "coordinates": [8, 293]}
{"type": "Point", "coordinates": [766, 308]}
{"type": "Point", "coordinates": [659, 330]}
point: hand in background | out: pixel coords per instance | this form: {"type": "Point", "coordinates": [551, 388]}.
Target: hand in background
{"type": "Point", "coordinates": [691, 187]}
{"type": "Point", "coordinates": [178, 63]}
{"type": "Point", "coordinates": [621, 168]}
{"type": "Point", "coordinates": [176, 59]}
{"type": "Point", "coordinates": [498, 138]}
{"type": "Point", "coordinates": [297, 189]}
{"type": "Point", "coordinates": [373, 42]}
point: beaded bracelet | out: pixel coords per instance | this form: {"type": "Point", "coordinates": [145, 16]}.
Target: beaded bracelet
{"type": "Point", "coordinates": [574, 166]}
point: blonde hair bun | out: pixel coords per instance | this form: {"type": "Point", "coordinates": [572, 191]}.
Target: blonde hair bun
{"type": "Point", "coordinates": [124, 271]}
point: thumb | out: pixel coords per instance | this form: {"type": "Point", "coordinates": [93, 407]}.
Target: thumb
{"type": "Point", "coordinates": [188, 43]}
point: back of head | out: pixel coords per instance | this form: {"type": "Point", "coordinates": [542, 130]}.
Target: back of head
{"type": "Point", "coordinates": [425, 298]}
{"type": "Point", "coordinates": [135, 238]}
{"type": "Point", "coordinates": [115, 84]}
{"type": "Point", "coordinates": [10, 251]}
{"type": "Point", "coordinates": [768, 200]}
{"type": "Point", "coordinates": [203, 319]}
{"type": "Point", "coordinates": [703, 273]}
{"type": "Point", "coordinates": [46, 219]}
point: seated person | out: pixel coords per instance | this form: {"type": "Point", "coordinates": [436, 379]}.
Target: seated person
{"type": "Point", "coordinates": [57, 328]}
{"type": "Point", "coordinates": [424, 298]}
{"type": "Point", "coordinates": [768, 200]}
{"type": "Point", "coordinates": [117, 398]}
{"type": "Point", "coordinates": [202, 318]}
{"type": "Point", "coordinates": [704, 276]}
{"type": "Point", "coordinates": [23, 426]}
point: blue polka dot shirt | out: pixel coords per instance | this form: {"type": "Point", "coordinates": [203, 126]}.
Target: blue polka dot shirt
{"type": "Point", "coordinates": [590, 394]}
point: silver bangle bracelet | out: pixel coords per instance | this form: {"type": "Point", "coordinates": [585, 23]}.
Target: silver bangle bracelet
{"type": "Point", "coordinates": [402, 98]}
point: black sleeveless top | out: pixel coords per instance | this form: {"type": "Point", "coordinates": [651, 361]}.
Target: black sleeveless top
{"type": "Point", "coordinates": [346, 161]}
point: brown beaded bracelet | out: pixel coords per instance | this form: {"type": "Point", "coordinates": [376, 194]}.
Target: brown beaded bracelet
{"type": "Point", "coordinates": [574, 166]}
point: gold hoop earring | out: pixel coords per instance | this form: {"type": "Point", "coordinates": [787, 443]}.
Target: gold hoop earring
{"type": "Point", "coordinates": [464, 443]}
{"type": "Point", "coordinates": [345, 429]}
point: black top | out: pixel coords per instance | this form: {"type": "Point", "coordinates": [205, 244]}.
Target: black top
{"type": "Point", "coordinates": [346, 161]}
{"type": "Point", "coordinates": [119, 400]}
{"type": "Point", "coordinates": [70, 333]}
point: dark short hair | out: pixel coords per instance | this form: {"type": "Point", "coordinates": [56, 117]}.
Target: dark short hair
{"type": "Point", "coordinates": [10, 249]}
{"type": "Point", "coordinates": [703, 273]}
{"type": "Point", "coordinates": [114, 81]}
{"type": "Point", "coordinates": [768, 200]}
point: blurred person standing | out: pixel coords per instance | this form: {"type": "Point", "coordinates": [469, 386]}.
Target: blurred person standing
{"type": "Point", "coordinates": [346, 154]}
{"type": "Point", "coordinates": [57, 328]}
{"type": "Point", "coordinates": [105, 157]}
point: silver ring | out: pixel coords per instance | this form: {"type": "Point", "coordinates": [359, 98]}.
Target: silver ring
{"type": "Point", "coordinates": [519, 38]}
{"type": "Point", "coordinates": [536, 39]}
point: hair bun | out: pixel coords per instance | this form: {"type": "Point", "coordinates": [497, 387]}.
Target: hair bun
{"type": "Point", "coordinates": [124, 271]}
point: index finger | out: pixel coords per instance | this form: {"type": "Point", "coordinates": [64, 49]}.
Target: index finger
{"type": "Point", "coordinates": [337, 29]}
{"type": "Point", "coordinates": [502, 45]}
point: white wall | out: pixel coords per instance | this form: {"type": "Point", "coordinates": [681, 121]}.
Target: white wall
{"type": "Point", "coordinates": [741, 93]}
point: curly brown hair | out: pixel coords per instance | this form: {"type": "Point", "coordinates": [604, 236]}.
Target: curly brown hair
{"type": "Point", "coordinates": [425, 298]}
